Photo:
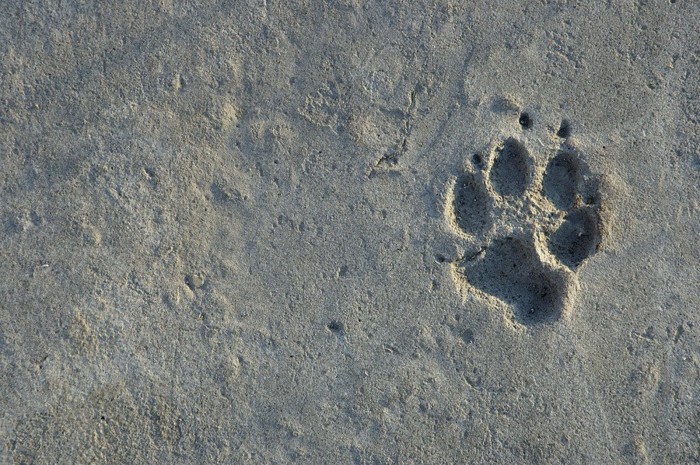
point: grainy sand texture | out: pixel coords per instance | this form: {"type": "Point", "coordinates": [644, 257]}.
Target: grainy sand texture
{"type": "Point", "coordinates": [350, 232]}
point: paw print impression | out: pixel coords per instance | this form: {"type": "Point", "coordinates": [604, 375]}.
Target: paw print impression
{"type": "Point", "coordinates": [526, 229]}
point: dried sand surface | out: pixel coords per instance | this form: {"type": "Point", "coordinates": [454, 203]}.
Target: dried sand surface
{"type": "Point", "coordinates": [367, 232]}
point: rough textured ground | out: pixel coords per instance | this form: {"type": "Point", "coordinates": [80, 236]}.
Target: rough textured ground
{"type": "Point", "coordinates": [350, 232]}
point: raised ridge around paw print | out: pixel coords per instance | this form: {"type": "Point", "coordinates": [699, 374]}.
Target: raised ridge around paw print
{"type": "Point", "coordinates": [526, 230]}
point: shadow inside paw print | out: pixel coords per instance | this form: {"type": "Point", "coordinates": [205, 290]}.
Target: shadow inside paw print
{"type": "Point", "coordinates": [472, 203]}
{"type": "Point", "coordinates": [570, 187]}
{"type": "Point", "coordinates": [510, 171]}
{"type": "Point", "coordinates": [530, 240]}
{"type": "Point", "coordinates": [510, 270]}
{"type": "Point", "coordinates": [576, 239]}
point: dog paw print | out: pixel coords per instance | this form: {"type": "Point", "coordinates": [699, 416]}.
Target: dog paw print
{"type": "Point", "coordinates": [526, 229]}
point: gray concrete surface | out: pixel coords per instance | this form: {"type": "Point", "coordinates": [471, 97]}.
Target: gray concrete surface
{"type": "Point", "coordinates": [350, 231]}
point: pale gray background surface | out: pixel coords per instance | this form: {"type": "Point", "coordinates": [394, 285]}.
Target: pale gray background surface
{"type": "Point", "coordinates": [226, 232]}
